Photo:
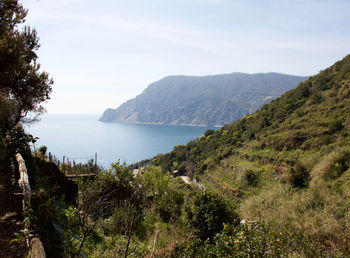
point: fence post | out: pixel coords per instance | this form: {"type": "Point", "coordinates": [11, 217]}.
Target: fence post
{"type": "Point", "coordinates": [63, 168]}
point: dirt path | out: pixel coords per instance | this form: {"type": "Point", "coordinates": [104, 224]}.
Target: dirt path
{"type": "Point", "coordinates": [10, 213]}
{"type": "Point", "coordinates": [188, 180]}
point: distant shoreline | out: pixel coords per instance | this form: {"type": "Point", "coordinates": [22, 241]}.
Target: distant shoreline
{"type": "Point", "coordinates": [153, 123]}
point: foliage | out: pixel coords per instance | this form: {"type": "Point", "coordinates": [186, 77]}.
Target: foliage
{"type": "Point", "coordinates": [47, 221]}
{"type": "Point", "coordinates": [332, 166]}
{"type": "Point", "coordinates": [42, 150]}
{"type": "Point", "coordinates": [118, 222]}
{"type": "Point", "coordinates": [118, 206]}
{"type": "Point", "coordinates": [169, 205]}
{"type": "Point", "coordinates": [250, 178]}
{"type": "Point", "coordinates": [209, 132]}
{"type": "Point", "coordinates": [283, 124]}
{"type": "Point", "coordinates": [208, 215]}
{"type": "Point", "coordinates": [286, 166]}
{"type": "Point", "coordinates": [299, 176]}
{"type": "Point", "coordinates": [295, 150]}
{"type": "Point", "coordinates": [319, 212]}
{"type": "Point", "coordinates": [23, 86]}
{"type": "Point", "coordinates": [248, 240]}
{"type": "Point", "coordinates": [154, 182]}
{"type": "Point", "coordinates": [115, 247]}
{"type": "Point", "coordinates": [18, 141]}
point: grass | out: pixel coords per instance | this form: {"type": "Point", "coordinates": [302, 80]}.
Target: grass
{"type": "Point", "coordinates": [320, 211]}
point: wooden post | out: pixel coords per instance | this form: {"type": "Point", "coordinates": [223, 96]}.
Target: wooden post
{"type": "Point", "coordinates": [37, 249]}
{"type": "Point", "coordinates": [23, 180]}
{"type": "Point", "coordinates": [36, 246]}
{"type": "Point", "coordinates": [63, 168]}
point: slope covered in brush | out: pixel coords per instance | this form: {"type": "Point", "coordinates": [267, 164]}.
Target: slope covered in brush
{"type": "Point", "coordinates": [313, 115]}
{"type": "Point", "coordinates": [288, 164]}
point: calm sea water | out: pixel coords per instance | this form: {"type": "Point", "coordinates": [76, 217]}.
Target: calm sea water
{"type": "Point", "coordinates": [79, 137]}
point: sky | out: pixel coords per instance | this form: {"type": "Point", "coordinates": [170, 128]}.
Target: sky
{"type": "Point", "coordinates": [102, 53]}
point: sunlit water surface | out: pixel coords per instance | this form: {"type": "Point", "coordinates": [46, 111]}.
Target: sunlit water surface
{"type": "Point", "coordinates": [79, 137]}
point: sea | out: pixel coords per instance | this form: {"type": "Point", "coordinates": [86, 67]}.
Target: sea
{"type": "Point", "coordinates": [80, 137]}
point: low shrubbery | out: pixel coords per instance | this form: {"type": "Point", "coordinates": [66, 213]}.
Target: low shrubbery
{"type": "Point", "coordinates": [252, 239]}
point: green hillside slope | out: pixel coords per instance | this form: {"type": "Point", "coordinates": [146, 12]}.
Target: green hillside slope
{"type": "Point", "coordinates": [288, 163]}
{"type": "Point", "coordinates": [313, 115]}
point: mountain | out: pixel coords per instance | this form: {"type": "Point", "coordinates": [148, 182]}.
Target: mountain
{"type": "Point", "coordinates": [202, 100]}
{"type": "Point", "coordinates": [287, 164]}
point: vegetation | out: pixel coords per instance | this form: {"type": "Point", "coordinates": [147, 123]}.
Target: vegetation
{"type": "Point", "coordinates": [23, 86]}
{"type": "Point", "coordinates": [23, 89]}
{"type": "Point", "coordinates": [286, 165]}
{"type": "Point", "coordinates": [278, 180]}
{"type": "Point", "coordinates": [209, 214]}
{"type": "Point", "coordinates": [284, 124]}
{"type": "Point", "coordinates": [284, 170]}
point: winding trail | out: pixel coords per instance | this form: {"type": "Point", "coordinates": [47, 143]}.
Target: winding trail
{"type": "Point", "coordinates": [188, 180]}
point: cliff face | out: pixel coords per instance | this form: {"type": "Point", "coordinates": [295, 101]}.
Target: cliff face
{"type": "Point", "coordinates": [202, 100]}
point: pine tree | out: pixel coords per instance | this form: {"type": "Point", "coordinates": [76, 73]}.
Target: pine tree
{"type": "Point", "coordinates": [23, 86]}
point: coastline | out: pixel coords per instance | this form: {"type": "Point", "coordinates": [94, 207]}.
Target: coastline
{"type": "Point", "coordinates": [154, 123]}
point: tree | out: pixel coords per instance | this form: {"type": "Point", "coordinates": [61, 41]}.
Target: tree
{"type": "Point", "coordinates": [154, 182]}
{"type": "Point", "coordinates": [23, 87]}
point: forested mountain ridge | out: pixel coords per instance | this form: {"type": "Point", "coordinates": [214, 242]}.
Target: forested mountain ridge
{"type": "Point", "coordinates": [202, 100]}
{"type": "Point", "coordinates": [287, 164]}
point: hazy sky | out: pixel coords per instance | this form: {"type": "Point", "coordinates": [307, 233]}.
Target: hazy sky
{"type": "Point", "coordinates": [102, 53]}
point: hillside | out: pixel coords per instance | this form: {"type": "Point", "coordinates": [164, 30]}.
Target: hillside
{"type": "Point", "coordinates": [275, 183]}
{"type": "Point", "coordinates": [287, 164]}
{"type": "Point", "coordinates": [202, 100]}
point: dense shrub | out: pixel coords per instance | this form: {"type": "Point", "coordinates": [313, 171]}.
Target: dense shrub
{"type": "Point", "coordinates": [251, 178]}
{"type": "Point", "coordinates": [208, 215]}
{"type": "Point", "coordinates": [332, 166]}
{"type": "Point", "coordinates": [209, 132]}
{"type": "Point", "coordinates": [335, 126]}
{"type": "Point", "coordinates": [169, 206]}
{"type": "Point", "coordinates": [42, 150]}
{"type": "Point", "coordinates": [298, 175]}
{"type": "Point", "coordinates": [249, 240]}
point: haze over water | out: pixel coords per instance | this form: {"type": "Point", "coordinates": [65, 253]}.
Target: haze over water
{"type": "Point", "coordinates": [79, 137]}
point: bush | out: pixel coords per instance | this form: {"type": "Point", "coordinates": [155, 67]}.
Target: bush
{"type": "Point", "coordinates": [119, 222]}
{"type": "Point", "coordinates": [209, 132]}
{"type": "Point", "coordinates": [316, 98]}
{"type": "Point", "coordinates": [299, 176]}
{"type": "Point", "coordinates": [169, 205]}
{"type": "Point", "coordinates": [332, 166]}
{"type": "Point", "coordinates": [335, 126]}
{"type": "Point", "coordinates": [249, 240]}
{"type": "Point", "coordinates": [42, 150]}
{"type": "Point", "coordinates": [249, 177]}
{"type": "Point", "coordinates": [208, 215]}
